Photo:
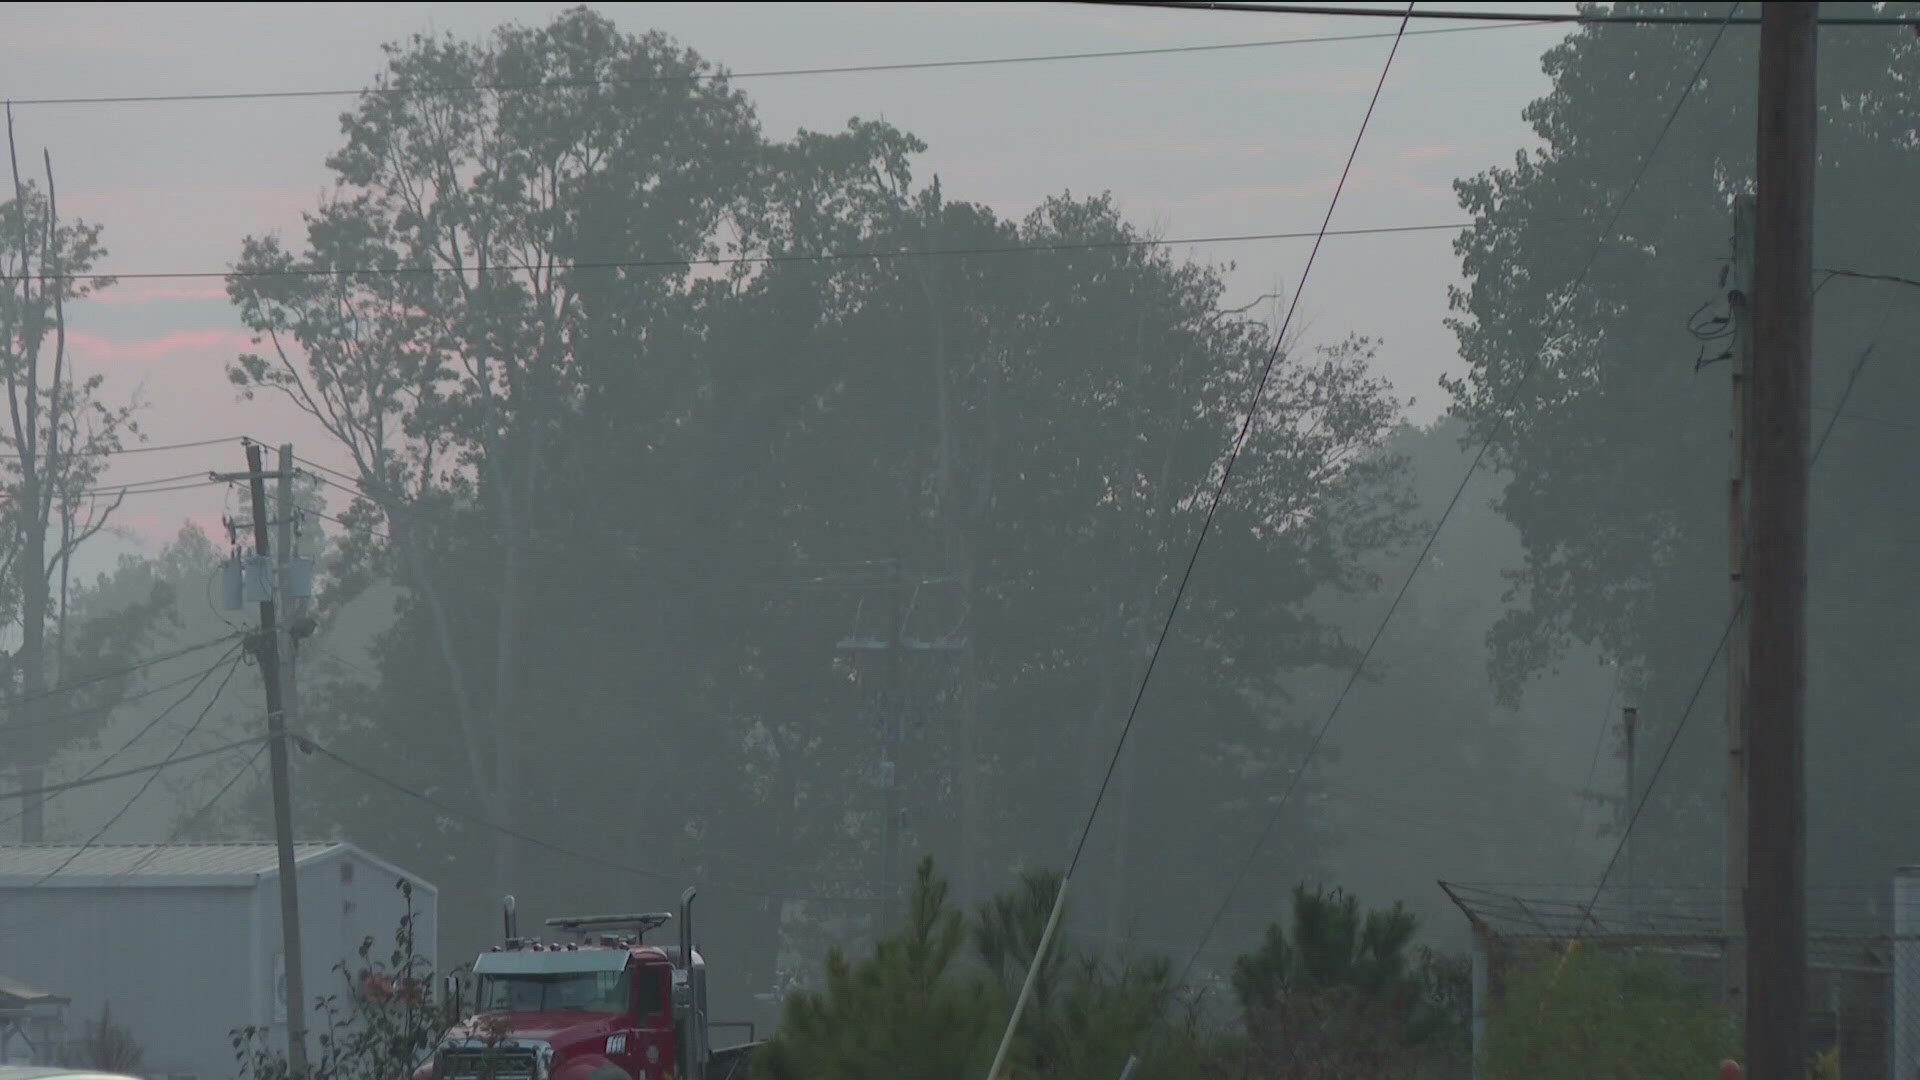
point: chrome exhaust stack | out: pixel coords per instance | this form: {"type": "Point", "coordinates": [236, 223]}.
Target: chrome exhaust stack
{"type": "Point", "coordinates": [686, 927]}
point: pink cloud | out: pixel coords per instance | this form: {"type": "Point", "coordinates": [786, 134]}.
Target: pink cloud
{"type": "Point", "coordinates": [213, 346]}
{"type": "Point", "coordinates": [1428, 153]}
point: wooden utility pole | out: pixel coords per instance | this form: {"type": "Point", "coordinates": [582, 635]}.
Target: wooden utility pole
{"type": "Point", "coordinates": [1776, 908]}
{"type": "Point", "coordinates": [283, 586]}
{"type": "Point", "coordinates": [268, 650]}
{"type": "Point", "coordinates": [892, 714]}
{"type": "Point", "coordinates": [1629, 724]}
{"type": "Point", "coordinates": [1734, 880]}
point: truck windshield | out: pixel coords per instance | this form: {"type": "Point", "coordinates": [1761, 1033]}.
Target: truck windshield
{"type": "Point", "coordinates": [584, 991]}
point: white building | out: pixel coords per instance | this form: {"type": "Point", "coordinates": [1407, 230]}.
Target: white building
{"type": "Point", "coordinates": [183, 940]}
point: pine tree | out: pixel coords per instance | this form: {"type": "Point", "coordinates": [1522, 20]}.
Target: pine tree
{"type": "Point", "coordinates": [908, 1012]}
{"type": "Point", "coordinates": [1344, 994]}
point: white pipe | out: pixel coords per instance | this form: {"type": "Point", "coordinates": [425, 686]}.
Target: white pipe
{"type": "Point", "coordinates": [1026, 988]}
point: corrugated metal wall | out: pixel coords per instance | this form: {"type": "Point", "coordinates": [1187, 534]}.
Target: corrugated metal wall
{"type": "Point", "coordinates": [344, 899]}
{"type": "Point", "coordinates": [182, 965]}
{"type": "Point", "coordinates": [171, 962]}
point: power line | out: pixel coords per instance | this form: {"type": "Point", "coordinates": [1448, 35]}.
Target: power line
{"type": "Point", "coordinates": [1233, 458]}
{"type": "Point", "coordinates": [1206, 527]}
{"type": "Point", "coordinates": [337, 520]}
{"type": "Point", "coordinates": [151, 661]}
{"type": "Point", "coordinates": [48, 721]}
{"type": "Point", "coordinates": [150, 725]}
{"type": "Point", "coordinates": [200, 479]}
{"type": "Point", "coordinates": [146, 786]}
{"type": "Point", "coordinates": [721, 76]}
{"type": "Point", "coordinates": [337, 485]}
{"type": "Point", "coordinates": [192, 820]}
{"type": "Point", "coordinates": [117, 491]}
{"type": "Point", "coordinates": [198, 682]}
{"type": "Point", "coordinates": [1600, 739]}
{"type": "Point", "coordinates": [133, 449]}
{"type": "Point", "coordinates": [331, 471]}
{"type": "Point", "coordinates": [1706, 673]}
{"type": "Point", "coordinates": [1864, 418]}
{"type": "Point", "coordinates": [1520, 17]}
{"type": "Point", "coordinates": [1500, 421]}
{"type": "Point", "coordinates": [1858, 275]}
{"type": "Point", "coordinates": [54, 789]}
{"type": "Point", "coordinates": [740, 260]}
{"type": "Point", "coordinates": [176, 835]}
{"type": "Point", "coordinates": [528, 838]}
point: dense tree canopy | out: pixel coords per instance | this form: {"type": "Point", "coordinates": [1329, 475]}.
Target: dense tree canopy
{"type": "Point", "coordinates": [1616, 443]}
{"type": "Point", "coordinates": [648, 457]}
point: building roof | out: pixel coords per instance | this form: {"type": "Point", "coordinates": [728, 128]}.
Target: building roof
{"type": "Point", "coordinates": [148, 864]}
{"type": "Point", "coordinates": [15, 994]}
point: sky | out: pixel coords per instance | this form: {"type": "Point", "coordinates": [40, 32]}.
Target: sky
{"type": "Point", "coordinates": [1201, 144]}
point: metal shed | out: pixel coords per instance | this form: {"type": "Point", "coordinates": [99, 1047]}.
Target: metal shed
{"type": "Point", "coordinates": [183, 940]}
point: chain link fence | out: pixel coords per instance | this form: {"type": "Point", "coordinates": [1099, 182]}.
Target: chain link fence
{"type": "Point", "coordinates": [1863, 957]}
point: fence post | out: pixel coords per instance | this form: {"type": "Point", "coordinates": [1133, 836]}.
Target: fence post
{"type": "Point", "coordinates": [1906, 973]}
{"type": "Point", "coordinates": [1480, 958]}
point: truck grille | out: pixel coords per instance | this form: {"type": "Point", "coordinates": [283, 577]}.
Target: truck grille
{"type": "Point", "coordinates": [505, 1063]}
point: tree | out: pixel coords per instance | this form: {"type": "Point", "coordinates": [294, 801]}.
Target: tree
{"type": "Point", "coordinates": [933, 998]}
{"type": "Point", "coordinates": [1437, 775]}
{"type": "Point", "coordinates": [1343, 994]}
{"type": "Point", "coordinates": [56, 436]}
{"type": "Point", "coordinates": [908, 1011]}
{"type": "Point", "coordinates": [446, 370]}
{"type": "Point", "coordinates": [1611, 421]}
{"type": "Point", "coordinates": [1091, 1008]}
{"type": "Point", "coordinates": [727, 461]}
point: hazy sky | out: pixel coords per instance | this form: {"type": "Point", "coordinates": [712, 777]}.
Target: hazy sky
{"type": "Point", "coordinates": [1193, 145]}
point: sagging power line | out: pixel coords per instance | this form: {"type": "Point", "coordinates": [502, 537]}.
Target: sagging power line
{"type": "Point", "coordinates": [553, 85]}
{"type": "Point", "coordinates": [680, 263]}
{"type": "Point", "coordinates": [1502, 418]}
{"type": "Point", "coordinates": [1583, 18]}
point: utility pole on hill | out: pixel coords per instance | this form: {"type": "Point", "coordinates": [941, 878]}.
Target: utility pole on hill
{"type": "Point", "coordinates": [267, 649]}
{"type": "Point", "coordinates": [898, 643]}
{"type": "Point", "coordinates": [1776, 911]}
{"type": "Point", "coordinates": [1734, 879]}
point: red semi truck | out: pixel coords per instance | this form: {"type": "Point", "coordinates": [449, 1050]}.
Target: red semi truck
{"type": "Point", "coordinates": [607, 1006]}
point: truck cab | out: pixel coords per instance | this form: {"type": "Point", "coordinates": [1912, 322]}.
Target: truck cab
{"type": "Point", "coordinates": [607, 1007]}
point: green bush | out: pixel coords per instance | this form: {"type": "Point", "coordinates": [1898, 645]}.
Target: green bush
{"type": "Point", "coordinates": [1340, 993]}
{"type": "Point", "coordinates": [1602, 1016]}
{"type": "Point", "coordinates": [931, 1002]}
{"type": "Point", "coordinates": [907, 1012]}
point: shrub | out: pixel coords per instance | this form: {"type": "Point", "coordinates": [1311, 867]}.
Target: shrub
{"type": "Point", "coordinates": [107, 1047]}
{"type": "Point", "coordinates": [1601, 1016]}
{"type": "Point", "coordinates": [380, 1025]}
